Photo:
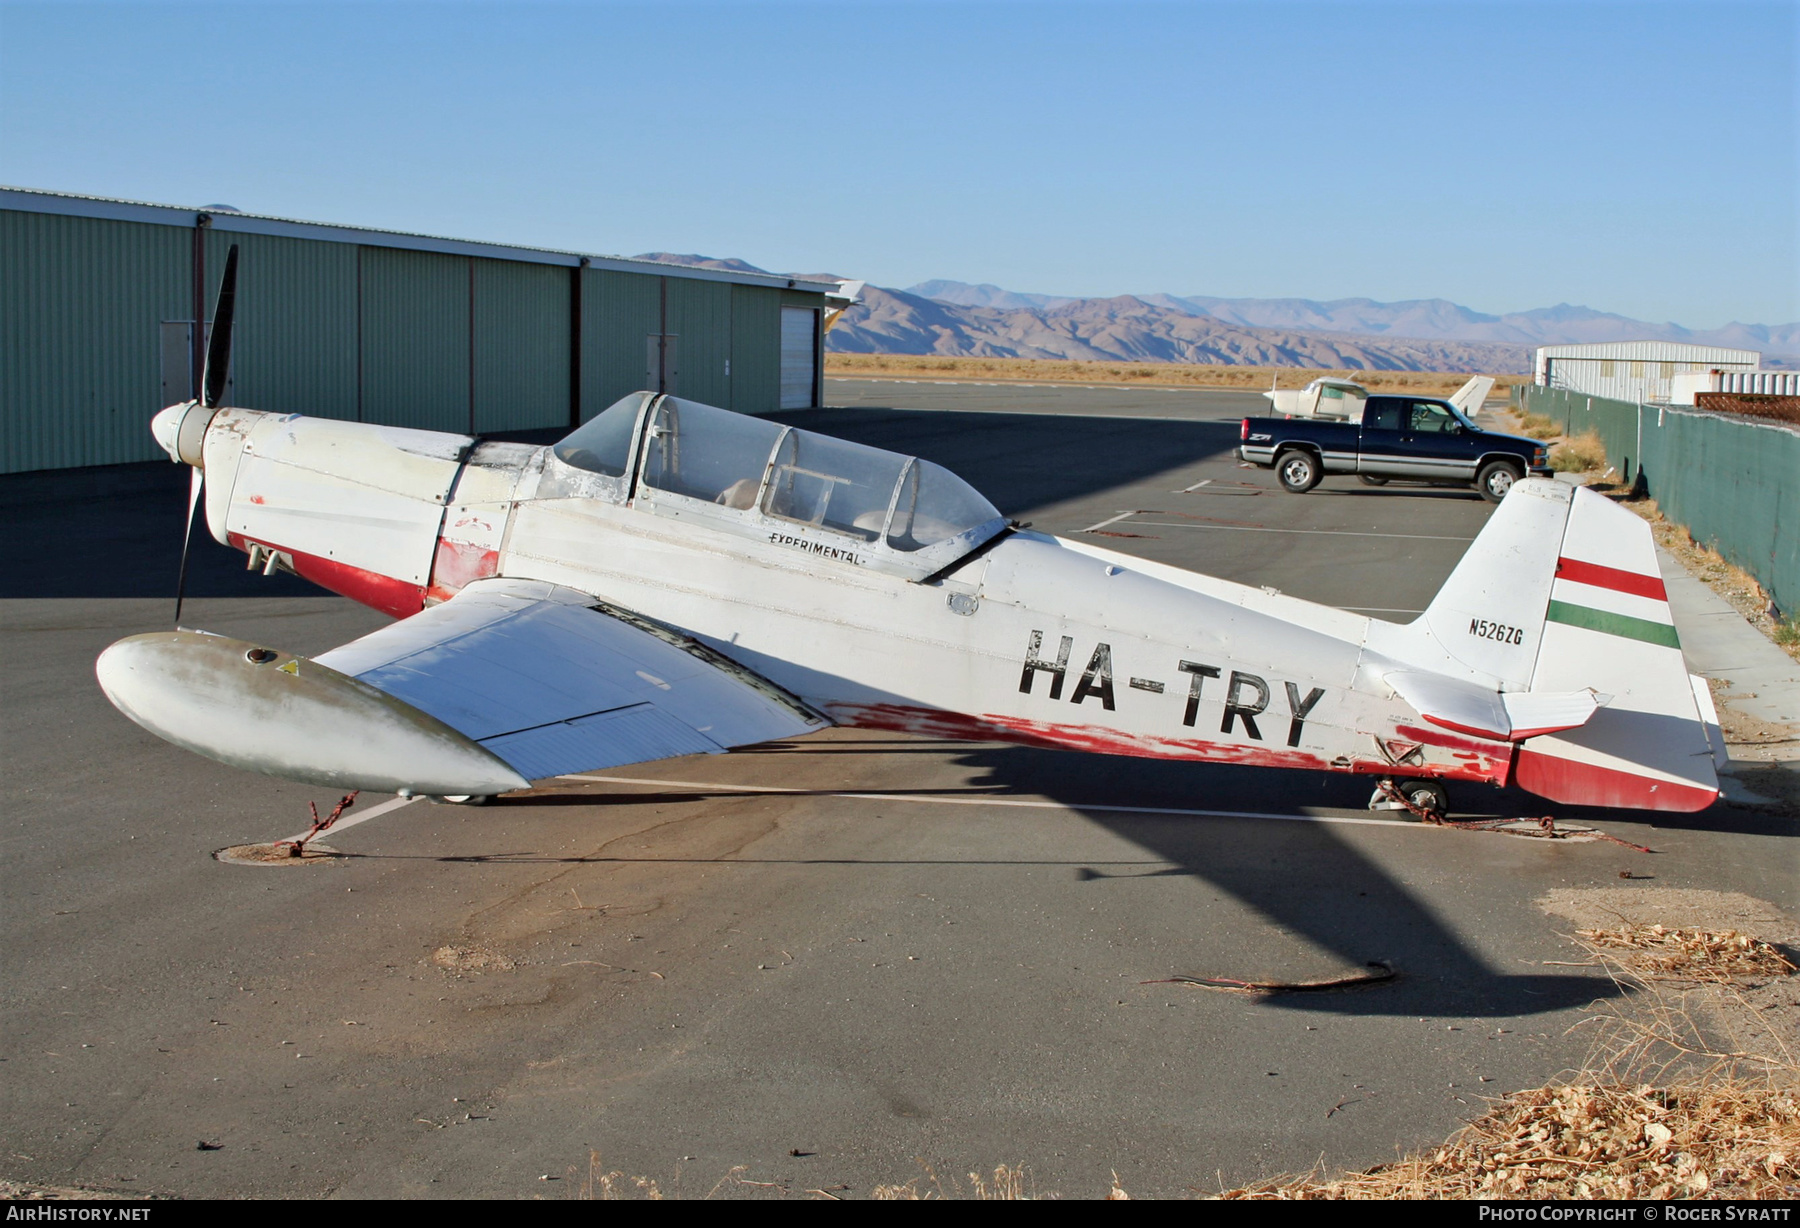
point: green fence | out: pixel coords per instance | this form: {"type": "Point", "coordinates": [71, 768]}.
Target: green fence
{"type": "Point", "coordinates": [1733, 483]}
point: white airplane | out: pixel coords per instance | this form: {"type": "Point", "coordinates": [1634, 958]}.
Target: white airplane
{"type": "Point", "coordinates": [1342, 399]}
{"type": "Point", "coordinates": [673, 578]}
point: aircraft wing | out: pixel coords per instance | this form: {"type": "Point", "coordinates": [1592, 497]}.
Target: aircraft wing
{"type": "Point", "coordinates": [1511, 716]}
{"type": "Point", "coordinates": [552, 681]}
{"type": "Point", "coordinates": [507, 682]}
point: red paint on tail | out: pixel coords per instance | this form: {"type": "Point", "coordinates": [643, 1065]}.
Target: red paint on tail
{"type": "Point", "coordinates": [1587, 784]}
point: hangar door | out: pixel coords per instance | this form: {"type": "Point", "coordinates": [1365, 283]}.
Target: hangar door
{"type": "Point", "coordinates": [799, 347]}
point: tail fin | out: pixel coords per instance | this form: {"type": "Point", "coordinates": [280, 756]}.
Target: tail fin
{"type": "Point", "coordinates": [1608, 626]}
{"type": "Point", "coordinates": [1561, 593]}
{"type": "Point", "coordinates": [1470, 396]}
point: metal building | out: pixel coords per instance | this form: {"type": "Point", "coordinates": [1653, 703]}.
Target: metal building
{"type": "Point", "coordinates": [1633, 370]}
{"type": "Point", "coordinates": [98, 300]}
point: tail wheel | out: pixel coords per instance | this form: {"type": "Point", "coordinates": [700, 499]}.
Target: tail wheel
{"type": "Point", "coordinates": [1426, 795]}
{"type": "Point", "coordinates": [1495, 479]}
{"type": "Point", "coordinates": [1299, 471]}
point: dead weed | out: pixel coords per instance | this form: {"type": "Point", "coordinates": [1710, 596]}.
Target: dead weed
{"type": "Point", "coordinates": [1687, 954]}
{"type": "Point", "coordinates": [472, 959]}
{"type": "Point", "coordinates": [1720, 1139]}
{"type": "Point", "coordinates": [1581, 454]}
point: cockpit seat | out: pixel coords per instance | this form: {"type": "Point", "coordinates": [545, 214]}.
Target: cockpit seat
{"type": "Point", "coordinates": [741, 495]}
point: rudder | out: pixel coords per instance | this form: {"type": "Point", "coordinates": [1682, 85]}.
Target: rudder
{"type": "Point", "coordinates": [1608, 626]}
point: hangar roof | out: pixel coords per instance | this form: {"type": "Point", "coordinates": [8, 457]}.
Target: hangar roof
{"type": "Point", "coordinates": [1651, 351]}
{"type": "Point", "coordinates": [33, 200]}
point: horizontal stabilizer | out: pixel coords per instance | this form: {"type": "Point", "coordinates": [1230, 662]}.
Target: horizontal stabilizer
{"type": "Point", "coordinates": [1538, 712]}
{"type": "Point", "coordinates": [1468, 708]}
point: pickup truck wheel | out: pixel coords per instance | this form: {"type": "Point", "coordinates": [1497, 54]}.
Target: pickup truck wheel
{"type": "Point", "coordinates": [1495, 479]}
{"type": "Point", "coordinates": [1298, 471]}
{"type": "Point", "coordinates": [1370, 479]}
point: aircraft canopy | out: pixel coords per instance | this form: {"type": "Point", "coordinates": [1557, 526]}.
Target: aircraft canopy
{"type": "Point", "coordinates": [782, 476]}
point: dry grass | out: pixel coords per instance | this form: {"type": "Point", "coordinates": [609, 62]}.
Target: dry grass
{"type": "Point", "coordinates": [1669, 1105]}
{"type": "Point", "coordinates": [1151, 374]}
{"type": "Point", "coordinates": [1008, 1183]}
{"type": "Point", "coordinates": [601, 1185]}
{"type": "Point", "coordinates": [1582, 454]}
{"type": "Point", "coordinates": [1538, 426]}
{"type": "Point", "coordinates": [1723, 1139]}
{"type": "Point", "coordinates": [1688, 954]}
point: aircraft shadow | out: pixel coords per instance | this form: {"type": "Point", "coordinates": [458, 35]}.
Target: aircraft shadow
{"type": "Point", "coordinates": [1318, 891]}
{"type": "Point", "coordinates": [115, 531]}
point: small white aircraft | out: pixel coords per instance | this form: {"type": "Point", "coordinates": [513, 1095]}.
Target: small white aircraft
{"type": "Point", "coordinates": [673, 578]}
{"type": "Point", "coordinates": [1342, 399]}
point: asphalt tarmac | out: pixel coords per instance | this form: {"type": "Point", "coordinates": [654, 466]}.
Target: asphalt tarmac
{"type": "Point", "coordinates": [851, 960]}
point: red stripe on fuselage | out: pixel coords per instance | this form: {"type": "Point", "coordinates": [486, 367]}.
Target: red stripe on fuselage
{"type": "Point", "coordinates": [378, 592]}
{"type": "Point", "coordinates": [1619, 581]}
{"type": "Point", "coordinates": [993, 727]}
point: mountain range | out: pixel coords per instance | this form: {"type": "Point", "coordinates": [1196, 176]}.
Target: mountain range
{"type": "Point", "coordinates": [1435, 318]}
{"type": "Point", "coordinates": [1131, 329]}
{"type": "Point", "coordinates": [958, 319]}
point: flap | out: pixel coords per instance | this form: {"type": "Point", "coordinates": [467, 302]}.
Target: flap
{"type": "Point", "coordinates": [1511, 717]}
{"type": "Point", "coordinates": [553, 681]}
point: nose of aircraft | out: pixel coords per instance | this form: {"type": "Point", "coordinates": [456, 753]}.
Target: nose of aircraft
{"type": "Point", "coordinates": [177, 435]}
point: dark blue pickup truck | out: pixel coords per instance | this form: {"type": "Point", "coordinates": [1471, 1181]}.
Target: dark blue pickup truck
{"type": "Point", "coordinates": [1413, 438]}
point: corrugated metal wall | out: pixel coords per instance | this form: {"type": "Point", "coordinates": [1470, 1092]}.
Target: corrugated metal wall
{"type": "Point", "coordinates": [521, 345]}
{"type": "Point", "coordinates": [618, 311]}
{"type": "Point", "coordinates": [329, 328]}
{"type": "Point", "coordinates": [415, 339]}
{"type": "Point", "coordinates": [81, 306]}
{"type": "Point", "coordinates": [1729, 481]}
{"type": "Point", "coordinates": [755, 349]}
{"type": "Point", "coordinates": [294, 332]}
{"type": "Point", "coordinates": [700, 316]}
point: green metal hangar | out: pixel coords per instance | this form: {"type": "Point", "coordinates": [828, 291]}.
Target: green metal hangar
{"type": "Point", "coordinates": [98, 299]}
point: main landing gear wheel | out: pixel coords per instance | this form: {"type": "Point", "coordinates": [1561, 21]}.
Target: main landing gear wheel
{"type": "Point", "coordinates": [1298, 471]}
{"type": "Point", "coordinates": [1495, 479]}
{"type": "Point", "coordinates": [1428, 796]}
{"type": "Point", "coordinates": [464, 799]}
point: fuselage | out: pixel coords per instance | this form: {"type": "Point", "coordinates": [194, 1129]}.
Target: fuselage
{"type": "Point", "coordinates": [1026, 638]}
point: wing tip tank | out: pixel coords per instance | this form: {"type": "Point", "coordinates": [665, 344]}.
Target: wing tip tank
{"type": "Point", "coordinates": [274, 713]}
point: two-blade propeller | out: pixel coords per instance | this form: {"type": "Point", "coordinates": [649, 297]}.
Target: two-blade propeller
{"type": "Point", "coordinates": [212, 391]}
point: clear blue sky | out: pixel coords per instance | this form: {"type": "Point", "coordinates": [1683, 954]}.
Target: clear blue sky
{"type": "Point", "coordinates": [1638, 158]}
